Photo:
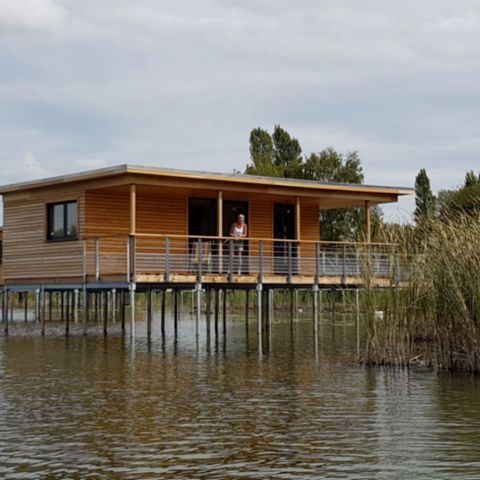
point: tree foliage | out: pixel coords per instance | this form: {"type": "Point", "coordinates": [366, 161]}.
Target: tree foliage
{"type": "Point", "coordinates": [425, 202]}
{"type": "Point", "coordinates": [280, 155]}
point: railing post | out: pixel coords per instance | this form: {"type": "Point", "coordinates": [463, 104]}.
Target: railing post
{"type": "Point", "coordinates": [230, 261]}
{"type": "Point", "coordinates": [167, 260]}
{"type": "Point", "coordinates": [317, 264]}
{"type": "Point", "coordinates": [97, 259]}
{"type": "Point", "coordinates": [200, 261]}
{"type": "Point", "coordinates": [260, 263]}
{"type": "Point", "coordinates": [289, 249]}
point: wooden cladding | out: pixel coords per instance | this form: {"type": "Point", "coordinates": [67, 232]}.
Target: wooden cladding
{"type": "Point", "coordinates": [30, 258]}
{"type": "Point", "coordinates": [28, 255]}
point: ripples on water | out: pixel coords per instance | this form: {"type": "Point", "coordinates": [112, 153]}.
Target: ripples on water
{"type": "Point", "coordinates": [98, 408]}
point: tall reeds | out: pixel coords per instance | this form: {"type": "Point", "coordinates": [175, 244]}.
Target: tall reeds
{"type": "Point", "coordinates": [432, 315]}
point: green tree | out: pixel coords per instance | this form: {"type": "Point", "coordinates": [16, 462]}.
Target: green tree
{"type": "Point", "coordinates": [261, 154]}
{"type": "Point", "coordinates": [425, 202]}
{"type": "Point", "coordinates": [280, 155]}
{"type": "Point", "coordinates": [287, 153]}
{"type": "Point", "coordinates": [471, 179]}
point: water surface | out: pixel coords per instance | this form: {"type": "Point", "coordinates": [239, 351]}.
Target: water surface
{"type": "Point", "coordinates": [94, 407]}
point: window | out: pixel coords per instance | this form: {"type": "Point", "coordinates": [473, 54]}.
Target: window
{"type": "Point", "coordinates": [62, 221]}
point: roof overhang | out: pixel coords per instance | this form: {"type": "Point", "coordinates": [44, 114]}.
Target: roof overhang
{"type": "Point", "coordinates": [271, 185]}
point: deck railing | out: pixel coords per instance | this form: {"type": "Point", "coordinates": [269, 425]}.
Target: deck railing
{"type": "Point", "coordinates": [167, 257]}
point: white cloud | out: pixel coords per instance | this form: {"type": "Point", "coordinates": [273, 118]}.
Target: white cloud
{"type": "Point", "coordinates": [90, 163]}
{"type": "Point", "coordinates": [32, 168]}
{"type": "Point", "coordinates": [182, 83]}
{"type": "Point", "coordinates": [30, 15]}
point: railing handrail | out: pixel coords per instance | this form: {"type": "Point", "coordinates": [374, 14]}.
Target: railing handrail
{"type": "Point", "coordinates": [251, 239]}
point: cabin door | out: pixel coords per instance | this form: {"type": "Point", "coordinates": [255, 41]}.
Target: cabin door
{"type": "Point", "coordinates": [231, 210]}
{"type": "Point", "coordinates": [284, 228]}
{"type": "Point", "coordinates": [202, 221]}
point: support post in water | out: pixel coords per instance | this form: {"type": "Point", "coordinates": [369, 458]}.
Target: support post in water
{"type": "Point", "coordinates": [175, 310]}
{"type": "Point", "coordinates": [41, 307]}
{"type": "Point", "coordinates": [217, 310]}
{"type": "Point", "coordinates": [75, 305]}
{"type": "Point", "coordinates": [163, 307]}
{"type": "Point", "coordinates": [25, 306]}
{"type": "Point", "coordinates": [114, 305]}
{"type": "Point", "coordinates": [85, 308]}
{"type": "Point", "coordinates": [224, 316]}
{"type": "Point", "coordinates": [259, 314]}
{"type": "Point", "coordinates": [105, 312]}
{"type": "Point", "coordinates": [132, 288]}
{"type": "Point", "coordinates": [198, 290]}
{"type": "Point", "coordinates": [37, 305]}
{"type": "Point", "coordinates": [357, 318]}
{"type": "Point", "coordinates": [5, 310]}
{"type": "Point", "coordinates": [149, 312]}
{"type": "Point", "coordinates": [315, 309]}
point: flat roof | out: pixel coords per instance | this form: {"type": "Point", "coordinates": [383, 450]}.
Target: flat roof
{"type": "Point", "coordinates": [199, 175]}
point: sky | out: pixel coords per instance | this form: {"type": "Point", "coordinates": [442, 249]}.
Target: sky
{"type": "Point", "coordinates": [92, 83]}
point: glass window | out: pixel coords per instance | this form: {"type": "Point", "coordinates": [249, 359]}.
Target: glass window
{"type": "Point", "coordinates": [71, 222]}
{"type": "Point", "coordinates": [62, 221]}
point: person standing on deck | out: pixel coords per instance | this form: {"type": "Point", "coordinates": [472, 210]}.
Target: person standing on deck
{"type": "Point", "coordinates": [239, 231]}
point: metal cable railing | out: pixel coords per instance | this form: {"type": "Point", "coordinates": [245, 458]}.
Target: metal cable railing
{"type": "Point", "coordinates": [169, 256]}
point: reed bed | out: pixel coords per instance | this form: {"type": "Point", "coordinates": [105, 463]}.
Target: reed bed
{"type": "Point", "coordinates": [432, 315]}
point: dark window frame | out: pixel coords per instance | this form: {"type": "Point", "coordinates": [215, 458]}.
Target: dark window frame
{"type": "Point", "coordinates": [51, 237]}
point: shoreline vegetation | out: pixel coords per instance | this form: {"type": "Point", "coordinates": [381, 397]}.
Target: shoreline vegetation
{"type": "Point", "coordinates": [433, 319]}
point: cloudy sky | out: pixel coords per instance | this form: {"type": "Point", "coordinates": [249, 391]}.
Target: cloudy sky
{"type": "Point", "coordinates": [92, 83]}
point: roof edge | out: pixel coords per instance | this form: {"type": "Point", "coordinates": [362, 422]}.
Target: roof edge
{"type": "Point", "coordinates": [124, 169]}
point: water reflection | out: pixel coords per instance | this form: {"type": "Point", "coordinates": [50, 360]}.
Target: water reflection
{"type": "Point", "coordinates": [172, 407]}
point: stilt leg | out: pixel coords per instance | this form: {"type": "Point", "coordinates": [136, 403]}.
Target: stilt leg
{"type": "Point", "coordinates": [149, 312]}
{"type": "Point", "coordinates": [132, 310]}
{"type": "Point", "coordinates": [199, 308]}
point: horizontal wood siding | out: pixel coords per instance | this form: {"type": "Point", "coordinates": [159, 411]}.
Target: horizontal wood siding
{"type": "Point", "coordinates": [28, 256]}
{"type": "Point", "coordinates": [309, 230]}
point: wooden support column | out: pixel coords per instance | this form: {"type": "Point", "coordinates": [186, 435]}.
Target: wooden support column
{"type": "Point", "coordinates": [220, 229]}
{"type": "Point", "coordinates": [297, 218]}
{"type": "Point", "coordinates": [297, 234]}
{"type": "Point", "coordinates": [133, 209]}
{"type": "Point", "coordinates": [368, 222]}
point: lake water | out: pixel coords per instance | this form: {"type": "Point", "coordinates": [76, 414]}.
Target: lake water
{"type": "Point", "coordinates": [94, 407]}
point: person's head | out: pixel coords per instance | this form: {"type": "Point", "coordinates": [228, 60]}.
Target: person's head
{"type": "Point", "coordinates": [241, 219]}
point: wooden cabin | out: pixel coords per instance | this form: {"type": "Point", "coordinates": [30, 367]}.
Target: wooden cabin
{"type": "Point", "coordinates": [146, 225]}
